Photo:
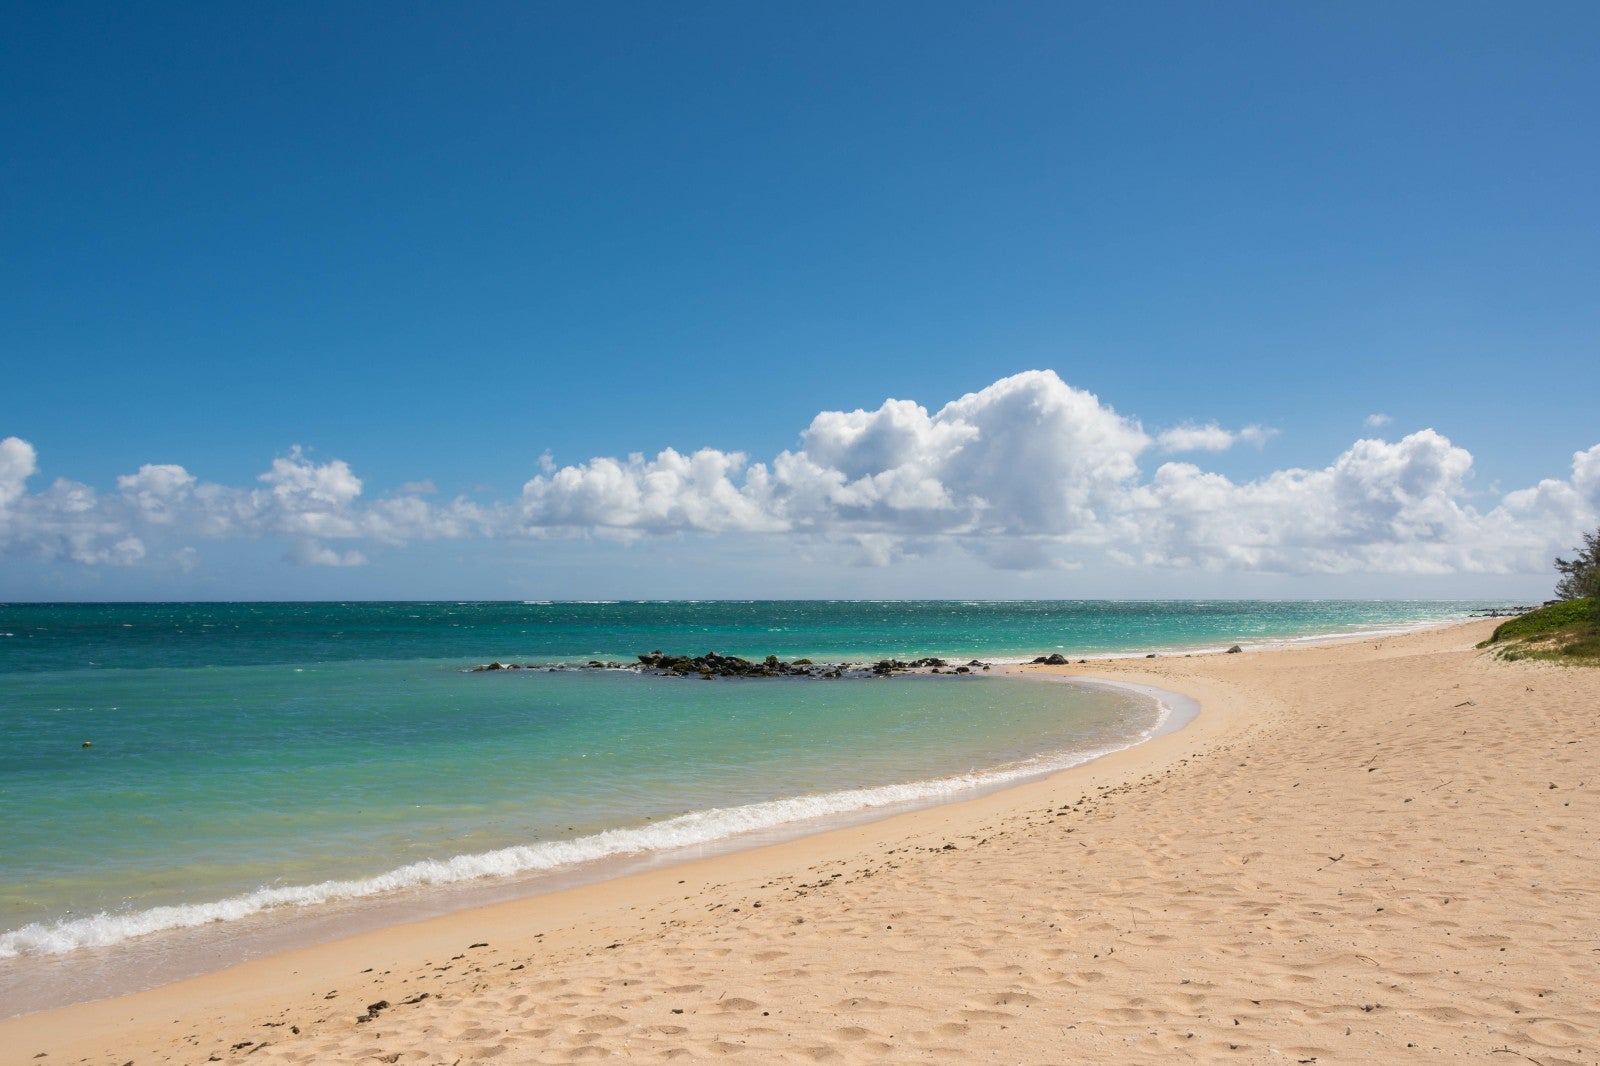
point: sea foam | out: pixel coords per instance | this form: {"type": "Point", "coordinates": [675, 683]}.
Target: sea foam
{"type": "Point", "coordinates": [693, 829]}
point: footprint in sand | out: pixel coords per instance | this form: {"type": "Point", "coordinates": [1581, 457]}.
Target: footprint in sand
{"type": "Point", "coordinates": [735, 1003]}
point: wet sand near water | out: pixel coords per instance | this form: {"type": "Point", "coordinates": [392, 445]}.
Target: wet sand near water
{"type": "Point", "coordinates": [1385, 850]}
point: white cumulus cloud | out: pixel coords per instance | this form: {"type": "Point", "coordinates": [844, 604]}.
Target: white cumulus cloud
{"type": "Point", "coordinates": [670, 493]}
{"type": "Point", "coordinates": [17, 464]}
{"type": "Point", "coordinates": [1026, 473]}
{"type": "Point", "coordinates": [157, 491]}
{"type": "Point", "coordinates": [1378, 506]}
{"type": "Point", "coordinates": [1027, 454]}
{"type": "Point", "coordinates": [297, 497]}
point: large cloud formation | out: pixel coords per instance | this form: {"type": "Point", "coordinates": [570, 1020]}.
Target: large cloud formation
{"type": "Point", "coordinates": [1027, 455]}
{"type": "Point", "coordinates": [1026, 472]}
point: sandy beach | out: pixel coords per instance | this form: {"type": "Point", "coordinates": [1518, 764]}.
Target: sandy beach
{"type": "Point", "coordinates": [1385, 850]}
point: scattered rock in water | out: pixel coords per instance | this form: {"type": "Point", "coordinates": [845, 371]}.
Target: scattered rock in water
{"type": "Point", "coordinates": [1053, 659]}
{"type": "Point", "coordinates": [711, 665]}
{"type": "Point", "coordinates": [1235, 650]}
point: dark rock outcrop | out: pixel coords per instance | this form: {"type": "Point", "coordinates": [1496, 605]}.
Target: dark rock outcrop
{"type": "Point", "coordinates": [711, 665]}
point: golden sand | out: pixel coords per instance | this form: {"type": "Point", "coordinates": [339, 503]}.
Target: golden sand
{"type": "Point", "coordinates": [1379, 851]}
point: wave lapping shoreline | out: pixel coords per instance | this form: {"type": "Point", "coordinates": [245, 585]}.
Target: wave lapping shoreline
{"type": "Point", "coordinates": [1348, 857]}
{"type": "Point", "coordinates": [684, 831]}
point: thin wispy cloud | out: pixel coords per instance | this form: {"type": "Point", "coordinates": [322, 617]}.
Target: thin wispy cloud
{"type": "Point", "coordinates": [1212, 438]}
{"type": "Point", "coordinates": [311, 553]}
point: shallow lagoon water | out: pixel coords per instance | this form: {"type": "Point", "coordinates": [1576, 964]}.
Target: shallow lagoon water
{"type": "Point", "coordinates": [251, 757]}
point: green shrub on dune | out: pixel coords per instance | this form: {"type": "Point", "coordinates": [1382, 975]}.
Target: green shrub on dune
{"type": "Point", "coordinates": [1567, 630]}
{"type": "Point", "coordinates": [1552, 619]}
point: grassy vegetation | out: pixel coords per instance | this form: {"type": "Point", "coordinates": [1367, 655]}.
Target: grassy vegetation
{"type": "Point", "coordinates": [1568, 632]}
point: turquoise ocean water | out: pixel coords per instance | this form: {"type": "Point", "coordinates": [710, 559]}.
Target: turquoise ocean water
{"type": "Point", "coordinates": [251, 760]}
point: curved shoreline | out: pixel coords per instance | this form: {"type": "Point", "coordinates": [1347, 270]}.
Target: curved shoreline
{"type": "Point", "coordinates": [192, 941]}
{"type": "Point", "coordinates": [42, 983]}
{"type": "Point", "coordinates": [1347, 857]}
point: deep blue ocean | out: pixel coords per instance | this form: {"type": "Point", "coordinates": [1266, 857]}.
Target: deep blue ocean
{"type": "Point", "coordinates": [164, 766]}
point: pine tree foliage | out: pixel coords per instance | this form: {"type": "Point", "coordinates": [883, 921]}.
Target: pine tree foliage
{"type": "Point", "coordinates": [1580, 575]}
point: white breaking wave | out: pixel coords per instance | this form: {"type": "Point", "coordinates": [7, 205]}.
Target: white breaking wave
{"type": "Point", "coordinates": [686, 830]}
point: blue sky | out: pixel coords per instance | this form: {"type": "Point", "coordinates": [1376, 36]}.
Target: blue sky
{"type": "Point", "coordinates": [430, 245]}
